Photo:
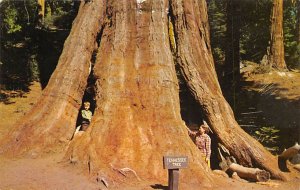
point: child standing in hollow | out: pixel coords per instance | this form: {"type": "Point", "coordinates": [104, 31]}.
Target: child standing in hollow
{"type": "Point", "coordinates": [86, 116]}
{"type": "Point", "coordinates": [203, 141]}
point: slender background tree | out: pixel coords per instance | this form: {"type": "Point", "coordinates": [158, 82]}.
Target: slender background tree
{"type": "Point", "coordinates": [276, 51]}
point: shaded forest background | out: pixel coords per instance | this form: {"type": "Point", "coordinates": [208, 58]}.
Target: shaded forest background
{"type": "Point", "coordinates": [254, 22]}
{"type": "Point", "coordinates": [30, 49]}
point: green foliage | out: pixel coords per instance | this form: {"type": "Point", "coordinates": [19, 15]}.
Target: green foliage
{"type": "Point", "coordinates": [291, 46]}
{"type": "Point", "coordinates": [255, 26]}
{"type": "Point", "coordinates": [269, 137]}
{"type": "Point", "coordinates": [10, 20]}
{"type": "Point", "coordinates": [255, 29]}
{"type": "Point", "coordinates": [217, 22]}
{"type": "Point", "coordinates": [30, 53]}
{"type": "Point", "coordinates": [17, 15]}
{"type": "Point", "coordinates": [59, 14]}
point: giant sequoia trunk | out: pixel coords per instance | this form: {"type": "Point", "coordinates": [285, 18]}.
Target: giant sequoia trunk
{"type": "Point", "coordinates": [195, 59]}
{"type": "Point", "coordinates": [276, 53]}
{"type": "Point", "coordinates": [137, 118]}
{"type": "Point", "coordinates": [51, 122]}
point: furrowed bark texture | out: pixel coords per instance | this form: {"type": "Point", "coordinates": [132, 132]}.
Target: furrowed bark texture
{"type": "Point", "coordinates": [137, 120]}
{"type": "Point", "coordinates": [276, 56]}
{"type": "Point", "coordinates": [195, 60]}
{"type": "Point", "coordinates": [52, 120]}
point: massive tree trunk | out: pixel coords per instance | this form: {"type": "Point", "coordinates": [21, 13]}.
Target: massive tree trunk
{"type": "Point", "coordinates": [232, 53]}
{"type": "Point", "coordinates": [137, 118]}
{"type": "Point", "coordinates": [196, 62]}
{"type": "Point", "coordinates": [276, 54]}
{"type": "Point", "coordinates": [51, 122]}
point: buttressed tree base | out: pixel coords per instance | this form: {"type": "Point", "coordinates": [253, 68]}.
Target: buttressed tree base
{"type": "Point", "coordinates": [137, 117]}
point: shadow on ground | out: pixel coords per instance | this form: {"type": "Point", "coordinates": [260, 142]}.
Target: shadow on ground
{"type": "Point", "coordinates": [159, 186]}
{"type": "Point", "coordinates": [270, 105]}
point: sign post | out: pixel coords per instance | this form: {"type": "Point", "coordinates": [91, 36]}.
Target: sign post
{"type": "Point", "coordinates": [173, 164]}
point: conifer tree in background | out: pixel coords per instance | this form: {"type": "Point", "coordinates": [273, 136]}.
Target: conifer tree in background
{"type": "Point", "coordinates": [41, 11]}
{"type": "Point", "coordinates": [276, 51]}
{"type": "Point", "coordinates": [291, 44]}
{"type": "Point", "coordinates": [26, 62]}
{"type": "Point", "coordinates": [217, 22]}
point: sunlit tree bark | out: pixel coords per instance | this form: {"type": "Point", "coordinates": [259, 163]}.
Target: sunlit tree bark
{"type": "Point", "coordinates": [276, 53]}
{"type": "Point", "coordinates": [50, 124]}
{"type": "Point", "coordinates": [41, 11]}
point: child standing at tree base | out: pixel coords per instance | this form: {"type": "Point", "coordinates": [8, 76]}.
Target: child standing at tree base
{"type": "Point", "coordinates": [86, 116]}
{"type": "Point", "coordinates": [203, 141]}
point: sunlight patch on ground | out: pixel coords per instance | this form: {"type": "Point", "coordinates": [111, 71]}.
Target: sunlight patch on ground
{"type": "Point", "coordinates": [16, 107]}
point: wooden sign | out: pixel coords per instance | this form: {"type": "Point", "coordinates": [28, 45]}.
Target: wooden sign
{"type": "Point", "coordinates": [175, 162]}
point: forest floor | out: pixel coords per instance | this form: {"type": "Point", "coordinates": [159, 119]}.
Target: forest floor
{"type": "Point", "coordinates": [270, 99]}
{"type": "Point", "coordinates": [275, 88]}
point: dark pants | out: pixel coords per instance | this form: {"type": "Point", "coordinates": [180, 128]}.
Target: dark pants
{"type": "Point", "coordinates": [84, 125]}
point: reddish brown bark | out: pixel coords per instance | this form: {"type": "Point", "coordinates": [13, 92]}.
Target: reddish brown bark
{"type": "Point", "coordinates": [196, 62]}
{"type": "Point", "coordinates": [276, 54]}
{"type": "Point", "coordinates": [138, 117]}
{"type": "Point", "coordinates": [52, 120]}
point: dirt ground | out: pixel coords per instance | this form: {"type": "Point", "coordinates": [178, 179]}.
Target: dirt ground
{"type": "Point", "coordinates": [283, 85]}
{"type": "Point", "coordinates": [48, 173]}
{"type": "Point", "coordinates": [16, 105]}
